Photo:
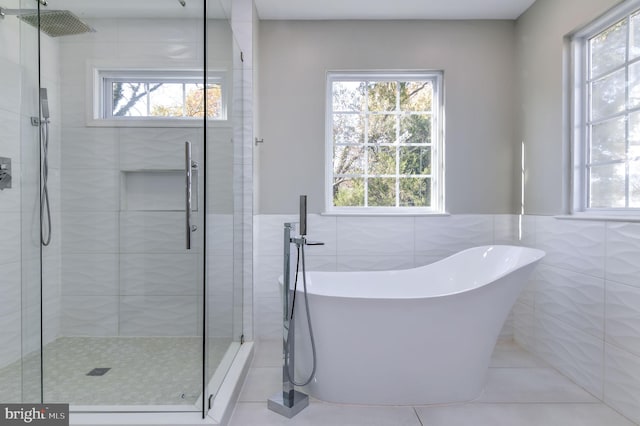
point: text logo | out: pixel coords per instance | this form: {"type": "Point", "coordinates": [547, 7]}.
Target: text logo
{"type": "Point", "coordinates": [34, 414]}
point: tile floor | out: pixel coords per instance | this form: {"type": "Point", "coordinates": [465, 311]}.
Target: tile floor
{"type": "Point", "coordinates": [521, 390]}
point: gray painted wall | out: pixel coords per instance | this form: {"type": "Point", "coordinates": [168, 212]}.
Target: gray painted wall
{"type": "Point", "coordinates": [540, 33]}
{"type": "Point", "coordinates": [478, 59]}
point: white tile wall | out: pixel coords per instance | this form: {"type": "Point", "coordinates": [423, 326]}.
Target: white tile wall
{"type": "Point", "coordinates": [581, 311]}
{"type": "Point", "coordinates": [622, 386]}
{"type": "Point", "coordinates": [88, 274]}
{"type": "Point", "coordinates": [90, 190]}
{"type": "Point", "coordinates": [574, 245]}
{"type": "Point", "coordinates": [623, 253]}
{"type": "Point", "coordinates": [158, 316]}
{"type": "Point", "coordinates": [444, 236]}
{"type": "Point", "coordinates": [159, 274]}
{"type": "Point", "coordinates": [375, 236]}
{"type": "Point", "coordinates": [576, 299]}
{"type": "Point", "coordinates": [90, 315]}
{"type": "Point", "coordinates": [623, 316]}
{"type": "Point", "coordinates": [576, 354]}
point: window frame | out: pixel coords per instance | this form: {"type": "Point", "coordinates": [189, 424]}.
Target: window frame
{"type": "Point", "coordinates": [103, 77]}
{"type": "Point", "coordinates": [580, 107]}
{"type": "Point", "coordinates": [437, 141]}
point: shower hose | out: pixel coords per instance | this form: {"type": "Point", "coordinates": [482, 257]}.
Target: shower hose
{"type": "Point", "coordinates": [45, 209]}
{"type": "Point", "coordinates": [290, 373]}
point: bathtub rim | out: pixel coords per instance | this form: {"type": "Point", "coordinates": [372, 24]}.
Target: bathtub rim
{"type": "Point", "coordinates": [537, 256]}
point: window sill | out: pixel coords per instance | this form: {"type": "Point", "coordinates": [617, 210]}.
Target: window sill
{"type": "Point", "coordinates": [601, 217]}
{"type": "Point", "coordinates": [386, 214]}
{"type": "Point", "coordinates": [160, 123]}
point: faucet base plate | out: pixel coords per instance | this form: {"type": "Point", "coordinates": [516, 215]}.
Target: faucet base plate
{"type": "Point", "coordinates": [277, 404]}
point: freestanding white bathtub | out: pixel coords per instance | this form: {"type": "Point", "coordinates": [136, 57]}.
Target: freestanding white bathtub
{"type": "Point", "coordinates": [407, 337]}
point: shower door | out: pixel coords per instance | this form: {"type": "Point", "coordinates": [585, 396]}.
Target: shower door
{"type": "Point", "coordinates": [123, 276]}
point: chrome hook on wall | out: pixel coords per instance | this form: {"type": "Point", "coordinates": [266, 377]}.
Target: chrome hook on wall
{"type": "Point", "coordinates": [259, 141]}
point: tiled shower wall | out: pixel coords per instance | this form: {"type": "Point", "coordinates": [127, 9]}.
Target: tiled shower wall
{"type": "Point", "coordinates": [124, 267]}
{"type": "Point", "coordinates": [19, 228]}
{"type": "Point", "coordinates": [581, 309]}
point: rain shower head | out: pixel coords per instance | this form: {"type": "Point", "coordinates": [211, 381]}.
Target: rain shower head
{"type": "Point", "coordinates": [54, 23]}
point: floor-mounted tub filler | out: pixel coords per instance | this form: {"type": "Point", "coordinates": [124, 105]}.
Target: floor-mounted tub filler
{"type": "Point", "coordinates": [408, 337]}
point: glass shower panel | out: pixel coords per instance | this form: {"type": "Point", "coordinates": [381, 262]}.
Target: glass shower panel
{"type": "Point", "coordinates": [126, 329]}
{"type": "Point", "coordinates": [20, 252]}
{"type": "Point", "coordinates": [224, 203]}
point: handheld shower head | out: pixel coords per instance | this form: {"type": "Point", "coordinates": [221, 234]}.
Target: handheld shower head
{"type": "Point", "coordinates": [44, 104]}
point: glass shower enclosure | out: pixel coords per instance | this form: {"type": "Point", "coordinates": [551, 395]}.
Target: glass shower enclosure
{"type": "Point", "coordinates": [122, 291]}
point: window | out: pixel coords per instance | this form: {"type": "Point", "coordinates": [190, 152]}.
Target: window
{"type": "Point", "coordinates": [160, 95]}
{"type": "Point", "coordinates": [384, 142]}
{"type": "Point", "coordinates": [607, 112]}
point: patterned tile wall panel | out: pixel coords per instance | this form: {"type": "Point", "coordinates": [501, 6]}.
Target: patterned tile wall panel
{"type": "Point", "coordinates": [220, 234]}
{"type": "Point", "coordinates": [90, 190]}
{"type": "Point", "coordinates": [159, 315]}
{"type": "Point", "coordinates": [90, 274]}
{"type": "Point", "coordinates": [10, 231]}
{"type": "Point", "coordinates": [576, 299]}
{"type": "Point", "coordinates": [11, 72]}
{"type": "Point", "coordinates": [376, 236]}
{"type": "Point", "coordinates": [445, 236]}
{"type": "Point", "coordinates": [268, 233]}
{"type": "Point", "coordinates": [10, 142]}
{"type": "Point", "coordinates": [373, 263]}
{"type": "Point", "coordinates": [622, 383]}
{"type": "Point", "coordinates": [623, 253]}
{"type": "Point", "coordinates": [505, 228]}
{"type": "Point", "coordinates": [90, 232]}
{"type": "Point", "coordinates": [220, 292]}
{"type": "Point", "coordinates": [159, 149]}
{"type": "Point", "coordinates": [265, 279]}
{"type": "Point", "coordinates": [10, 309]}
{"type": "Point", "coordinates": [623, 316]}
{"type": "Point", "coordinates": [90, 315]}
{"type": "Point", "coordinates": [90, 148]}
{"type": "Point", "coordinates": [10, 336]}
{"type": "Point", "coordinates": [156, 274]}
{"type": "Point", "coordinates": [323, 229]}
{"type": "Point", "coordinates": [572, 244]}
{"type": "Point", "coordinates": [528, 294]}
{"type": "Point", "coordinates": [576, 354]}
{"type": "Point", "coordinates": [524, 326]}
{"type": "Point", "coordinates": [152, 232]}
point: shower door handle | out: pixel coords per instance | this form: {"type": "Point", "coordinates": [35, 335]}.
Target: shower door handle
{"type": "Point", "coordinates": [188, 186]}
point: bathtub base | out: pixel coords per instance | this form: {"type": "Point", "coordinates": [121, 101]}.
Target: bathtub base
{"type": "Point", "coordinates": [276, 403]}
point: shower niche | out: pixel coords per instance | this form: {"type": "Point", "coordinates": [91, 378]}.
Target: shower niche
{"type": "Point", "coordinates": [156, 190]}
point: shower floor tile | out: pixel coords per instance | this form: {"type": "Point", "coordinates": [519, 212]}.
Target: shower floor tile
{"type": "Point", "coordinates": [143, 371]}
{"type": "Point", "coordinates": [522, 390]}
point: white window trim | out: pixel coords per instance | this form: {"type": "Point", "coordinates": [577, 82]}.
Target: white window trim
{"type": "Point", "coordinates": [578, 104]}
{"type": "Point", "coordinates": [437, 148]}
{"type": "Point", "coordinates": [100, 76]}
